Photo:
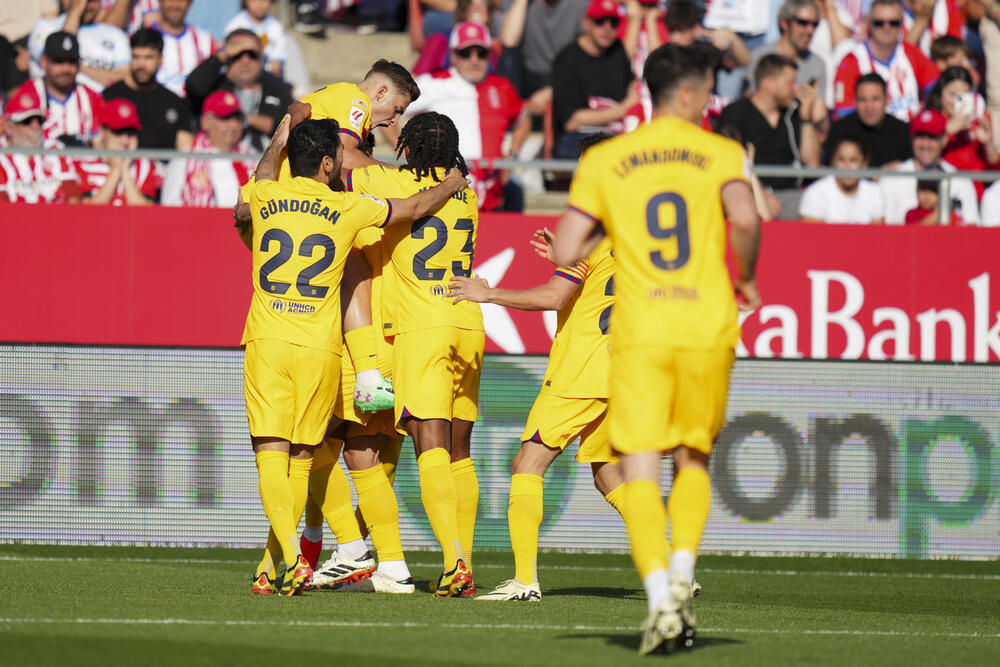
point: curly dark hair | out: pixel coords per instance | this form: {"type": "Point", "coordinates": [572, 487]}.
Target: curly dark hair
{"type": "Point", "coordinates": [432, 141]}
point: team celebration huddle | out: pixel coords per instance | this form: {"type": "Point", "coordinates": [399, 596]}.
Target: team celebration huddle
{"type": "Point", "coordinates": [364, 327]}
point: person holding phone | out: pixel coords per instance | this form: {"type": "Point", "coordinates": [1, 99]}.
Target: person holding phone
{"type": "Point", "coordinates": [970, 144]}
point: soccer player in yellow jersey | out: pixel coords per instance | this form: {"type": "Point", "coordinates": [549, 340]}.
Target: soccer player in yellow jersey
{"type": "Point", "coordinates": [438, 346]}
{"type": "Point", "coordinates": [371, 447]}
{"type": "Point", "coordinates": [302, 233]}
{"type": "Point", "coordinates": [572, 403]}
{"type": "Point", "coordinates": [377, 101]}
{"type": "Point", "coordinates": [662, 194]}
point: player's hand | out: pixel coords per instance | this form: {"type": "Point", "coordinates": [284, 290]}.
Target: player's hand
{"type": "Point", "coordinates": [747, 296]}
{"type": "Point", "coordinates": [241, 216]}
{"type": "Point", "coordinates": [281, 132]}
{"type": "Point", "coordinates": [469, 289]}
{"type": "Point", "coordinates": [541, 242]}
{"type": "Point", "coordinates": [455, 181]}
{"type": "Point", "coordinates": [298, 112]}
{"type": "Point", "coordinates": [633, 11]}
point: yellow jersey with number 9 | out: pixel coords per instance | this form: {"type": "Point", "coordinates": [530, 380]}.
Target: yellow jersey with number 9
{"type": "Point", "coordinates": [579, 362]}
{"type": "Point", "coordinates": [424, 255]}
{"type": "Point", "coordinates": [346, 104]}
{"type": "Point", "coordinates": [657, 192]}
{"type": "Point", "coordinates": [302, 233]}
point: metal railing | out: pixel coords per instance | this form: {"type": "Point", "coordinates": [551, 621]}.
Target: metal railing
{"type": "Point", "coordinates": [565, 166]}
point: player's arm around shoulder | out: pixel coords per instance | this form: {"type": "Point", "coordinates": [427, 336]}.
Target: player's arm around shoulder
{"type": "Point", "coordinates": [427, 201]}
{"type": "Point", "coordinates": [552, 295]}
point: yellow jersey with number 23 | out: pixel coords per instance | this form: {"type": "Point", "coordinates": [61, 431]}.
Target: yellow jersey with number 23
{"type": "Point", "coordinates": [657, 193]}
{"type": "Point", "coordinates": [424, 255]}
{"type": "Point", "coordinates": [302, 233]}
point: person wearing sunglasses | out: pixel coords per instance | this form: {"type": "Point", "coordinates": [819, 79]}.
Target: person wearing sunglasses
{"type": "Point", "coordinates": [33, 179]}
{"type": "Point", "coordinates": [908, 73]}
{"type": "Point", "coordinates": [797, 20]}
{"type": "Point", "coordinates": [592, 83]}
{"type": "Point", "coordinates": [484, 107]}
{"type": "Point", "coordinates": [237, 67]}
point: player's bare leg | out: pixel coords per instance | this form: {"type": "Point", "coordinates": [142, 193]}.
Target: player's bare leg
{"type": "Point", "coordinates": [463, 470]}
{"type": "Point", "coordinates": [377, 503]}
{"type": "Point", "coordinates": [372, 392]}
{"type": "Point", "coordinates": [432, 445]}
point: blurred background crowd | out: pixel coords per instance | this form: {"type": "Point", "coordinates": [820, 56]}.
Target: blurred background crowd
{"type": "Point", "coordinates": [908, 86]}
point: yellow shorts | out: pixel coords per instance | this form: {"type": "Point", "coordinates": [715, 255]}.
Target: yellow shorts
{"type": "Point", "coordinates": [662, 398]}
{"type": "Point", "coordinates": [436, 373]}
{"type": "Point", "coordinates": [555, 422]}
{"type": "Point", "coordinates": [290, 390]}
{"type": "Point", "coordinates": [380, 423]}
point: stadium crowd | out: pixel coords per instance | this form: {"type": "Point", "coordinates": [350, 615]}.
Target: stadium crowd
{"type": "Point", "coordinates": [903, 85]}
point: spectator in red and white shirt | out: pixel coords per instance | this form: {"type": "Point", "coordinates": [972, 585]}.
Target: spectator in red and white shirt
{"type": "Point", "coordinates": [200, 181]}
{"type": "Point", "coordinates": [32, 178]}
{"type": "Point", "coordinates": [184, 45]}
{"type": "Point", "coordinates": [908, 73]}
{"type": "Point", "coordinates": [69, 106]}
{"type": "Point", "coordinates": [483, 106]}
{"type": "Point", "coordinates": [119, 181]}
{"type": "Point", "coordinates": [970, 146]}
{"type": "Point", "coordinates": [926, 20]}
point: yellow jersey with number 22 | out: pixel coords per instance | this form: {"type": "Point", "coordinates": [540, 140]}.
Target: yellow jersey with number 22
{"type": "Point", "coordinates": [302, 233]}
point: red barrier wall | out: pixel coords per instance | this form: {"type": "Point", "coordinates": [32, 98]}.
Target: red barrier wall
{"type": "Point", "coordinates": [163, 276]}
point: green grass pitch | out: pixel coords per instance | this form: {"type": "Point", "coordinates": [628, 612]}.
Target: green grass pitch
{"type": "Point", "coordinates": [112, 606]}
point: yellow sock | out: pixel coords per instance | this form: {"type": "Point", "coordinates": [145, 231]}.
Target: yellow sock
{"type": "Point", "coordinates": [467, 490]}
{"type": "Point", "coordinates": [298, 477]}
{"type": "Point", "coordinates": [272, 556]}
{"type": "Point", "coordinates": [524, 517]}
{"type": "Point", "coordinates": [646, 523]}
{"type": "Point", "coordinates": [389, 456]}
{"type": "Point", "coordinates": [616, 497]}
{"type": "Point", "coordinates": [437, 491]}
{"type": "Point", "coordinates": [361, 346]}
{"type": "Point", "coordinates": [332, 492]}
{"type": "Point", "coordinates": [276, 497]}
{"type": "Point", "coordinates": [378, 503]}
{"type": "Point", "coordinates": [688, 508]}
{"type": "Point", "coordinates": [314, 515]}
